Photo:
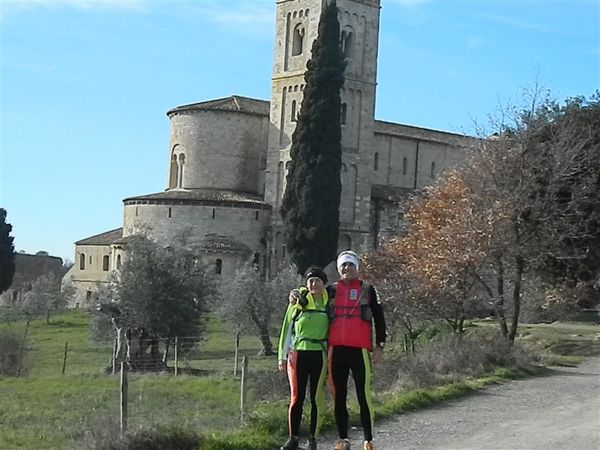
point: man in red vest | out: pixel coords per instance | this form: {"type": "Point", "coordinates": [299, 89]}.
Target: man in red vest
{"type": "Point", "coordinates": [356, 308]}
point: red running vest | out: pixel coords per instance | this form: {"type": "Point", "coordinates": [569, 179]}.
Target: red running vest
{"type": "Point", "coordinates": [348, 328]}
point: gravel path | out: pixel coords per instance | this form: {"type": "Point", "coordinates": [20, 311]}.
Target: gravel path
{"type": "Point", "coordinates": [557, 411]}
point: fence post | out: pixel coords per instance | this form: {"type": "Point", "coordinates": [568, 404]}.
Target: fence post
{"type": "Point", "coordinates": [244, 389]}
{"type": "Point", "coordinates": [65, 358]}
{"type": "Point", "coordinates": [124, 389]}
{"type": "Point", "coordinates": [237, 348]}
{"type": "Point", "coordinates": [176, 355]}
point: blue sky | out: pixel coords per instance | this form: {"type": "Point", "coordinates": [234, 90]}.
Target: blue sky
{"type": "Point", "coordinates": [85, 85]}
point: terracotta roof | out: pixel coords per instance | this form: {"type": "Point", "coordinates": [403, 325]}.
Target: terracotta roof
{"type": "Point", "coordinates": [426, 134]}
{"type": "Point", "coordinates": [105, 238]}
{"type": "Point", "coordinates": [210, 196]}
{"type": "Point", "coordinates": [233, 103]}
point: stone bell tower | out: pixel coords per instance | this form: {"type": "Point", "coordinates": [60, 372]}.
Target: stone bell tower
{"type": "Point", "coordinates": [297, 24]}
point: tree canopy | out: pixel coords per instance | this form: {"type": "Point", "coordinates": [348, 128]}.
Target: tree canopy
{"type": "Point", "coordinates": [7, 253]}
{"type": "Point", "coordinates": [310, 206]}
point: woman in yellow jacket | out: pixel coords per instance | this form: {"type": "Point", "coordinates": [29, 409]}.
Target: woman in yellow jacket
{"type": "Point", "coordinates": [303, 353]}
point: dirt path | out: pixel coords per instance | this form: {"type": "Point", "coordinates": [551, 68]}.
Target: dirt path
{"type": "Point", "coordinates": [558, 411]}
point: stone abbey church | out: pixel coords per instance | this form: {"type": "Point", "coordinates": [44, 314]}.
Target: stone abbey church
{"type": "Point", "coordinates": [228, 159]}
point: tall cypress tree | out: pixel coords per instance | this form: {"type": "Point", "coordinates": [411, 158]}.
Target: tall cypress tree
{"type": "Point", "coordinates": [7, 253]}
{"type": "Point", "coordinates": [310, 207]}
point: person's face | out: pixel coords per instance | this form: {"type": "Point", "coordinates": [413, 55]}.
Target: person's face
{"type": "Point", "coordinates": [315, 285]}
{"type": "Point", "coordinates": [348, 271]}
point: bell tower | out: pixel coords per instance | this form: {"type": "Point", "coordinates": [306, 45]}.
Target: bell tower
{"type": "Point", "coordinates": [297, 23]}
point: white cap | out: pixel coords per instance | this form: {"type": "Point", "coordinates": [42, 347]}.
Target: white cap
{"type": "Point", "coordinates": [347, 257]}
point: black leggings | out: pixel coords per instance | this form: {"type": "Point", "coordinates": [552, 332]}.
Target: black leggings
{"type": "Point", "coordinates": [305, 365]}
{"type": "Point", "coordinates": [342, 361]}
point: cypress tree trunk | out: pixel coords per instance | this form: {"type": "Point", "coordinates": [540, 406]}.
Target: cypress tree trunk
{"type": "Point", "coordinates": [310, 206]}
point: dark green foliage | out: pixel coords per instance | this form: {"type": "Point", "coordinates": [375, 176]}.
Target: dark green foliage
{"type": "Point", "coordinates": [310, 207]}
{"type": "Point", "coordinates": [7, 253]}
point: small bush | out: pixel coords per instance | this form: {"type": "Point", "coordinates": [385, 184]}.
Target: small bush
{"type": "Point", "coordinates": [11, 352]}
{"type": "Point", "coordinates": [453, 358]}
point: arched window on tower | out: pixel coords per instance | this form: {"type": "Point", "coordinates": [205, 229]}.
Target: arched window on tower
{"type": "Point", "coordinates": [118, 262]}
{"type": "Point", "coordinates": [343, 112]}
{"type": "Point", "coordinates": [376, 161]}
{"type": "Point", "coordinates": [298, 40]}
{"type": "Point", "coordinates": [294, 115]}
{"type": "Point", "coordinates": [347, 42]}
{"type": "Point", "coordinates": [105, 263]}
{"type": "Point", "coordinates": [218, 266]}
{"type": "Point", "coordinates": [433, 169]}
{"type": "Point", "coordinates": [404, 166]}
{"type": "Point", "coordinates": [181, 170]}
{"type": "Point", "coordinates": [173, 172]}
{"type": "Point", "coordinates": [82, 261]}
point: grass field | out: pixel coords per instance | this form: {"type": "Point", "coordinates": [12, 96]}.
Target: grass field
{"type": "Point", "coordinates": [46, 410]}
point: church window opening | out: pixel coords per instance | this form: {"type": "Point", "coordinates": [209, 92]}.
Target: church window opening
{"type": "Point", "coordinates": [169, 212]}
{"type": "Point", "coordinates": [256, 259]}
{"type": "Point", "coordinates": [213, 213]}
{"type": "Point", "coordinates": [343, 111]}
{"type": "Point", "coordinates": [119, 262]}
{"type": "Point", "coordinates": [90, 260]}
{"type": "Point", "coordinates": [218, 266]}
{"type": "Point", "coordinates": [433, 169]}
{"type": "Point", "coordinates": [298, 40]}
{"type": "Point", "coordinates": [256, 215]}
{"type": "Point", "coordinates": [180, 171]}
{"type": "Point", "coordinates": [347, 43]}
{"type": "Point", "coordinates": [376, 161]}
{"type": "Point", "coordinates": [173, 172]}
{"type": "Point", "coordinates": [88, 295]}
{"type": "Point", "coordinates": [136, 211]}
{"type": "Point", "coordinates": [105, 262]}
{"type": "Point", "coordinates": [294, 116]}
{"type": "Point", "coordinates": [404, 166]}
{"type": "Point", "coordinates": [82, 261]}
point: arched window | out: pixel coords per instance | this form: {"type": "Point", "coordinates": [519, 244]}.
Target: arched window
{"type": "Point", "coordinates": [345, 243]}
{"type": "Point", "coordinates": [294, 116]}
{"type": "Point", "coordinates": [105, 262]}
{"type": "Point", "coordinates": [214, 212]}
{"type": "Point", "coordinates": [347, 43]}
{"type": "Point", "coordinates": [343, 111]}
{"type": "Point", "coordinates": [218, 266]}
{"type": "Point", "coordinates": [404, 166]}
{"type": "Point", "coordinates": [181, 169]}
{"type": "Point", "coordinates": [298, 40]}
{"type": "Point", "coordinates": [82, 261]}
{"type": "Point", "coordinates": [376, 161]}
{"type": "Point", "coordinates": [119, 262]}
{"type": "Point", "coordinates": [173, 172]}
{"type": "Point", "coordinates": [256, 259]}
{"type": "Point", "coordinates": [433, 169]}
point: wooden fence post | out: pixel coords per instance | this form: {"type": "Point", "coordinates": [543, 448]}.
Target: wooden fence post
{"type": "Point", "coordinates": [244, 389]}
{"type": "Point", "coordinates": [237, 348]}
{"type": "Point", "coordinates": [124, 389]}
{"type": "Point", "coordinates": [65, 358]}
{"type": "Point", "coordinates": [176, 355]}
{"type": "Point", "coordinates": [115, 356]}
